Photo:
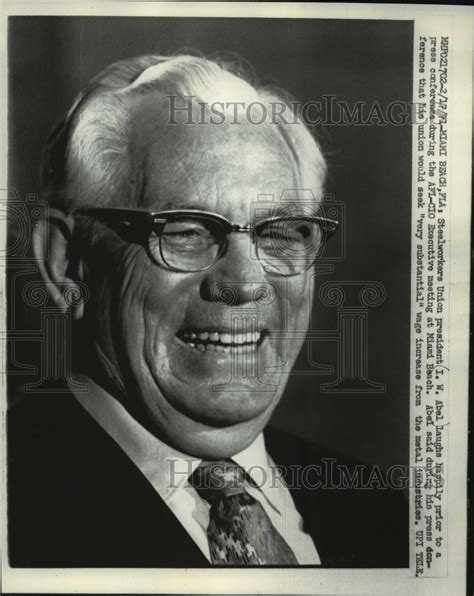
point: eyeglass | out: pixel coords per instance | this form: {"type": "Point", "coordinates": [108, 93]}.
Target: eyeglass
{"type": "Point", "coordinates": [190, 241]}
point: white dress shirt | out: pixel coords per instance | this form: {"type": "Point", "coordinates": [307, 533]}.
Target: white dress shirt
{"type": "Point", "coordinates": [168, 471]}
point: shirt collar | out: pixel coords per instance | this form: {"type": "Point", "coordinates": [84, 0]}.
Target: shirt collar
{"type": "Point", "coordinates": [254, 461]}
{"type": "Point", "coordinates": [166, 468]}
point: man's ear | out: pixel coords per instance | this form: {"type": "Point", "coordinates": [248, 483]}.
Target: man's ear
{"type": "Point", "coordinates": [52, 243]}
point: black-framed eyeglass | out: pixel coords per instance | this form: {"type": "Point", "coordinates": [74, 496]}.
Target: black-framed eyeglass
{"type": "Point", "coordinates": [190, 241]}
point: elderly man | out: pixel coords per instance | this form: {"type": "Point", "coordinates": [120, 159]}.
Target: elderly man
{"type": "Point", "coordinates": [195, 243]}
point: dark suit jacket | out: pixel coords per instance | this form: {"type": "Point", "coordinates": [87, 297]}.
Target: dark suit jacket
{"type": "Point", "coordinates": [76, 500]}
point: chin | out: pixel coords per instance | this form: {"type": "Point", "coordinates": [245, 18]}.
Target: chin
{"type": "Point", "coordinates": [216, 402]}
{"type": "Point", "coordinates": [220, 443]}
{"type": "Point", "coordinates": [208, 439]}
{"type": "Point", "coordinates": [232, 407]}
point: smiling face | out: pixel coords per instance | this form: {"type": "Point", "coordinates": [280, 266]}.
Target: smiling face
{"type": "Point", "coordinates": [206, 372]}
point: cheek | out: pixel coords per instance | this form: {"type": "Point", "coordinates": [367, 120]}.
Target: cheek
{"type": "Point", "coordinates": [153, 308]}
{"type": "Point", "coordinates": [298, 305]}
{"type": "Point", "coordinates": [295, 299]}
{"type": "Point", "coordinates": [128, 291]}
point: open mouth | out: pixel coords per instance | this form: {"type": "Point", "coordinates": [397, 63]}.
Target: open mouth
{"type": "Point", "coordinates": [214, 341]}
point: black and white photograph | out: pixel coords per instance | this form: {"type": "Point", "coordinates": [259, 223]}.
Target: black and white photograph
{"type": "Point", "coordinates": [226, 294]}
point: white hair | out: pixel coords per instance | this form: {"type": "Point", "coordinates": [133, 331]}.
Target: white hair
{"type": "Point", "coordinates": [87, 155]}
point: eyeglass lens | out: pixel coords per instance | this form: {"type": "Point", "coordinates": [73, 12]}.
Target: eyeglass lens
{"type": "Point", "coordinates": [288, 246]}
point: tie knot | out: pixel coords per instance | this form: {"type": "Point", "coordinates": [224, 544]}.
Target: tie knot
{"type": "Point", "coordinates": [219, 478]}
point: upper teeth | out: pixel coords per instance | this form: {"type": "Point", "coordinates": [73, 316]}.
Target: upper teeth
{"type": "Point", "coordinates": [225, 338]}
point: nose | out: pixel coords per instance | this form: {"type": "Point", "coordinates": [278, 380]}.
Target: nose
{"type": "Point", "coordinates": [237, 278]}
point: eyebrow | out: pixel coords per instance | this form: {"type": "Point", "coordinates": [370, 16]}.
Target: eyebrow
{"type": "Point", "coordinates": [177, 204]}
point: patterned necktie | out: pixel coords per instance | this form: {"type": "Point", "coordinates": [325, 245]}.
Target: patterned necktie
{"type": "Point", "coordinates": [239, 531]}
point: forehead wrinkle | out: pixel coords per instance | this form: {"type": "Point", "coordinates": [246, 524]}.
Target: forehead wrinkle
{"type": "Point", "coordinates": [181, 165]}
{"type": "Point", "coordinates": [174, 167]}
{"type": "Point", "coordinates": [200, 170]}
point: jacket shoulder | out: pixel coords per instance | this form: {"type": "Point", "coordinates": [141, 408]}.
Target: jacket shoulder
{"type": "Point", "coordinates": [356, 513]}
{"type": "Point", "coordinates": [76, 500]}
